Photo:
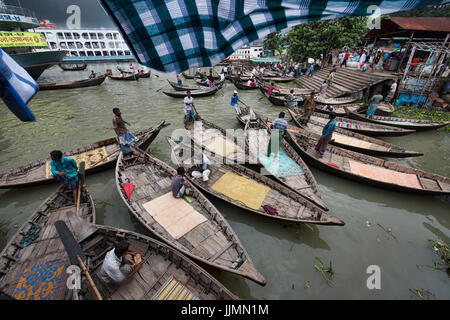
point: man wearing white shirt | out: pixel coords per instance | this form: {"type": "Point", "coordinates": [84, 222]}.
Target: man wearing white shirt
{"type": "Point", "coordinates": [189, 107]}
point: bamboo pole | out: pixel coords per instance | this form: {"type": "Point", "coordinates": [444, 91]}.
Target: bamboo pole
{"type": "Point", "coordinates": [406, 51]}
{"type": "Point", "coordinates": [88, 276]}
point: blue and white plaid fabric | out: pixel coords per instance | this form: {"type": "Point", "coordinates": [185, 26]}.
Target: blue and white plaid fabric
{"type": "Point", "coordinates": [175, 35]}
{"type": "Point", "coordinates": [17, 87]}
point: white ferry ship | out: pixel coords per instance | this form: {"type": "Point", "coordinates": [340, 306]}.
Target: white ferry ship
{"type": "Point", "coordinates": [87, 45]}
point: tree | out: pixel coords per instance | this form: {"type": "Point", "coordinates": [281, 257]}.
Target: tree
{"type": "Point", "coordinates": [273, 41]}
{"type": "Point", "coordinates": [309, 40]}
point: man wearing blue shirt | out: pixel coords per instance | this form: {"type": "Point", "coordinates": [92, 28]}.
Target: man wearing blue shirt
{"type": "Point", "coordinates": [279, 127]}
{"type": "Point", "coordinates": [65, 170]}
{"type": "Point", "coordinates": [235, 102]}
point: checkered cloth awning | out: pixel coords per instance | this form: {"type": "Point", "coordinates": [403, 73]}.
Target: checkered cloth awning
{"type": "Point", "coordinates": [175, 35]}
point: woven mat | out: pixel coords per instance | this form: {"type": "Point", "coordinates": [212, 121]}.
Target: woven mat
{"type": "Point", "coordinates": [173, 290]}
{"type": "Point", "coordinates": [45, 281]}
{"type": "Point", "coordinates": [236, 187]}
{"type": "Point", "coordinates": [220, 146]}
{"type": "Point", "coordinates": [385, 175]}
{"type": "Point", "coordinates": [347, 125]}
{"type": "Point", "coordinates": [280, 165]}
{"type": "Point", "coordinates": [175, 215]}
{"type": "Point", "coordinates": [89, 157]}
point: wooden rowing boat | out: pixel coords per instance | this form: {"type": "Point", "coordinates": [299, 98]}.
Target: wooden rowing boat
{"type": "Point", "coordinates": [204, 84]}
{"type": "Point", "coordinates": [278, 79]}
{"type": "Point", "coordinates": [208, 239]}
{"type": "Point", "coordinates": [184, 87]}
{"type": "Point", "coordinates": [213, 138]}
{"type": "Point", "coordinates": [126, 77]}
{"type": "Point", "coordinates": [243, 86]}
{"type": "Point", "coordinates": [166, 274]}
{"type": "Point", "coordinates": [38, 172]}
{"type": "Point", "coordinates": [354, 141]}
{"type": "Point", "coordinates": [405, 123]}
{"type": "Point", "coordinates": [72, 84]}
{"type": "Point", "coordinates": [73, 67]}
{"type": "Point", "coordinates": [339, 110]}
{"type": "Point", "coordinates": [33, 263]}
{"type": "Point", "coordinates": [366, 128]}
{"type": "Point", "coordinates": [257, 190]}
{"type": "Point", "coordinates": [144, 74]}
{"type": "Point", "coordinates": [39, 270]}
{"type": "Point", "coordinates": [195, 93]}
{"type": "Point", "coordinates": [288, 167]}
{"type": "Point", "coordinates": [187, 76]}
{"type": "Point", "coordinates": [282, 90]}
{"type": "Point", "coordinates": [335, 101]}
{"type": "Point", "coordinates": [369, 170]}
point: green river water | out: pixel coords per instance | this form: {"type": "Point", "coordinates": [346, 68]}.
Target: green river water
{"type": "Point", "coordinates": [284, 254]}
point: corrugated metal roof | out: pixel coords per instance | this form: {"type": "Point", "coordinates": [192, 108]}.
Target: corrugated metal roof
{"type": "Point", "coordinates": [440, 24]}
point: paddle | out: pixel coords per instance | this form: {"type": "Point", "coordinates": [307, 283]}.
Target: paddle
{"type": "Point", "coordinates": [74, 251]}
{"type": "Point", "coordinates": [161, 88]}
{"type": "Point", "coordinates": [81, 175]}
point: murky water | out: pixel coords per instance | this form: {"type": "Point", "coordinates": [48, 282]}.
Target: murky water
{"type": "Point", "coordinates": [285, 254]}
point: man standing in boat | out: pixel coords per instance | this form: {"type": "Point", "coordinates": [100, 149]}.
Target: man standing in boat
{"type": "Point", "coordinates": [308, 109]}
{"type": "Point", "coordinates": [235, 102]}
{"type": "Point", "coordinates": [290, 100]}
{"type": "Point", "coordinates": [65, 170]}
{"type": "Point", "coordinates": [279, 126]}
{"type": "Point", "coordinates": [373, 104]}
{"type": "Point", "coordinates": [189, 107]}
{"type": "Point", "coordinates": [327, 134]}
{"type": "Point", "coordinates": [125, 137]}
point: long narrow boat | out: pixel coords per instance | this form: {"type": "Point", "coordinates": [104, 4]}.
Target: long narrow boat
{"type": "Point", "coordinates": [384, 109]}
{"type": "Point", "coordinates": [366, 128]}
{"type": "Point", "coordinates": [166, 274]}
{"type": "Point", "coordinates": [213, 138]}
{"type": "Point", "coordinates": [204, 84]}
{"type": "Point", "coordinates": [287, 167]}
{"type": "Point", "coordinates": [249, 190]}
{"type": "Point", "coordinates": [193, 226]}
{"type": "Point", "coordinates": [339, 110]}
{"type": "Point", "coordinates": [144, 74]}
{"type": "Point", "coordinates": [38, 172]}
{"type": "Point", "coordinates": [335, 101]}
{"type": "Point", "coordinates": [278, 79]}
{"type": "Point", "coordinates": [405, 123]}
{"type": "Point", "coordinates": [184, 87]}
{"type": "Point", "coordinates": [353, 141]}
{"type": "Point", "coordinates": [33, 264]}
{"type": "Point", "coordinates": [282, 90]}
{"type": "Point", "coordinates": [187, 76]}
{"type": "Point", "coordinates": [243, 86]}
{"type": "Point", "coordinates": [72, 84]}
{"type": "Point", "coordinates": [369, 170]}
{"type": "Point", "coordinates": [125, 77]}
{"type": "Point", "coordinates": [195, 93]}
{"type": "Point", "coordinates": [73, 67]}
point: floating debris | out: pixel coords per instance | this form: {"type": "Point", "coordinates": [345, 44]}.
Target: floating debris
{"type": "Point", "coordinates": [442, 249]}
{"type": "Point", "coordinates": [388, 230]}
{"type": "Point", "coordinates": [368, 223]}
{"type": "Point", "coordinates": [307, 285]}
{"type": "Point", "coordinates": [423, 294]}
{"type": "Point", "coordinates": [327, 272]}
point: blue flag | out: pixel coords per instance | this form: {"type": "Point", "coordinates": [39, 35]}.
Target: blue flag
{"type": "Point", "coordinates": [17, 87]}
{"type": "Point", "coordinates": [175, 35]}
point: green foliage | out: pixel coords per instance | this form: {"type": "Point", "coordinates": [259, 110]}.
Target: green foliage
{"type": "Point", "coordinates": [327, 272]}
{"type": "Point", "coordinates": [423, 114]}
{"type": "Point", "coordinates": [309, 40]}
{"type": "Point", "coordinates": [274, 41]}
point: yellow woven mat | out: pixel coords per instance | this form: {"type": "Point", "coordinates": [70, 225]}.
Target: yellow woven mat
{"type": "Point", "coordinates": [175, 215]}
{"type": "Point", "coordinates": [89, 157]}
{"type": "Point", "coordinates": [238, 188]}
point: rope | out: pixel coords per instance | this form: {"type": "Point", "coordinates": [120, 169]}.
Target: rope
{"type": "Point", "coordinates": [31, 235]}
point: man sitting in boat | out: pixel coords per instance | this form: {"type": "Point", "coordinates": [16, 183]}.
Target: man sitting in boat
{"type": "Point", "coordinates": [92, 75]}
{"type": "Point", "coordinates": [308, 109]}
{"type": "Point", "coordinates": [180, 186]}
{"type": "Point", "coordinates": [327, 134]}
{"type": "Point", "coordinates": [279, 125]}
{"type": "Point", "coordinates": [290, 100]}
{"type": "Point", "coordinates": [212, 84]}
{"type": "Point", "coordinates": [235, 102]}
{"type": "Point", "coordinates": [272, 88]}
{"type": "Point", "coordinates": [202, 169]}
{"type": "Point", "coordinates": [125, 137]}
{"type": "Point", "coordinates": [65, 170]}
{"type": "Point", "coordinates": [373, 103]}
{"type": "Point", "coordinates": [120, 264]}
{"type": "Point", "coordinates": [179, 81]}
{"type": "Point", "coordinates": [189, 114]}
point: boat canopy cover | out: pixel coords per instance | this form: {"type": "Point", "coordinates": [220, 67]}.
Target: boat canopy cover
{"type": "Point", "coordinates": [173, 36]}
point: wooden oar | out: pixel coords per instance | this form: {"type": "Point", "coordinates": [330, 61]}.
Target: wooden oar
{"type": "Point", "coordinates": [75, 252]}
{"type": "Point", "coordinates": [161, 88]}
{"type": "Point", "coordinates": [81, 174]}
